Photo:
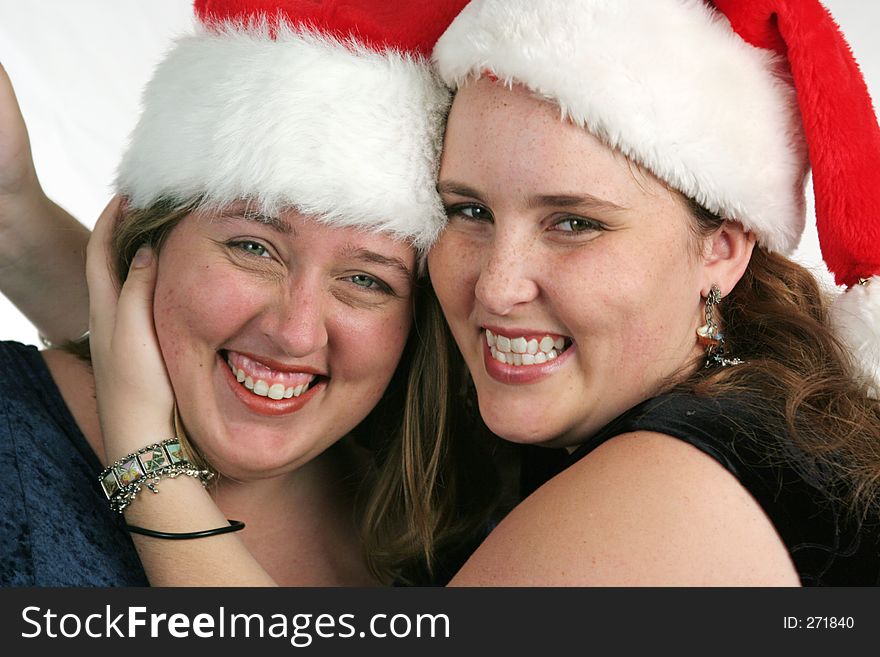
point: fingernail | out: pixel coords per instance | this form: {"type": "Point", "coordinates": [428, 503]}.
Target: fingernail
{"type": "Point", "coordinates": [142, 258]}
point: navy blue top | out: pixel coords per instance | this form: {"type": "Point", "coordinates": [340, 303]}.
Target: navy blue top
{"type": "Point", "coordinates": [826, 546]}
{"type": "Point", "coordinates": [56, 528]}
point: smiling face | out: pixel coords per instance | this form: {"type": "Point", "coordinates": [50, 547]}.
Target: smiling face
{"type": "Point", "coordinates": [571, 282]}
{"type": "Point", "coordinates": [280, 334]}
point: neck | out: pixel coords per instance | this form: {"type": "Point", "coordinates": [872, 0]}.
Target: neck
{"type": "Point", "coordinates": [301, 525]}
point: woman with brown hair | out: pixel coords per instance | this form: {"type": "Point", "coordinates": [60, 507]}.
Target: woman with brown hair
{"type": "Point", "coordinates": [615, 283]}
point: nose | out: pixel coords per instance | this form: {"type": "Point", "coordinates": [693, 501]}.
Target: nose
{"type": "Point", "coordinates": [506, 279]}
{"type": "Point", "coordinates": [297, 321]}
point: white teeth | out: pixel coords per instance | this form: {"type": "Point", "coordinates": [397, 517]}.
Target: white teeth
{"type": "Point", "coordinates": [263, 388]}
{"type": "Point", "coordinates": [520, 351]}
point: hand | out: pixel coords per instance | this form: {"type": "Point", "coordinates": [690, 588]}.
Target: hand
{"type": "Point", "coordinates": [135, 399]}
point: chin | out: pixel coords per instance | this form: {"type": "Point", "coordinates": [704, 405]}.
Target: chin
{"type": "Point", "coordinates": [524, 431]}
{"type": "Point", "coordinates": [255, 456]}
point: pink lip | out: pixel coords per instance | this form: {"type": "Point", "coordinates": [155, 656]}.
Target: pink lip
{"type": "Point", "coordinates": [279, 366]}
{"type": "Point", "coordinates": [521, 374]}
{"type": "Point", "coordinates": [264, 405]}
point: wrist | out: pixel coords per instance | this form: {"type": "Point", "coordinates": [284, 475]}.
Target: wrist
{"type": "Point", "coordinates": [121, 439]}
{"type": "Point", "coordinates": [123, 479]}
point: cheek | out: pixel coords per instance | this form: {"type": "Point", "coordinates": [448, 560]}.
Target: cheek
{"type": "Point", "coordinates": [366, 346]}
{"type": "Point", "coordinates": [630, 302]}
{"type": "Point", "coordinates": [197, 307]}
{"type": "Point", "coordinates": [454, 268]}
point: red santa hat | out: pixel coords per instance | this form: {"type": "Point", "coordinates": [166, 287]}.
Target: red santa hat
{"type": "Point", "coordinates": [327, 107]}
{"type": "Point", "coordinates": [731, 103]}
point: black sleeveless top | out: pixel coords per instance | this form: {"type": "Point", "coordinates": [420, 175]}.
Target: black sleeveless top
{"type": "Point", "coordinates": [827, 547]}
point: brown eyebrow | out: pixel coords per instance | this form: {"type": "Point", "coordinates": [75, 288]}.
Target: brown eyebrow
{"type": "Point", "coordinates": [457, 188]}
{"type": "Point", "coordinates": [587, 201]}
{"type": "Point", "coordinates": [584, 201]}
{"type": "Point", "coordinates": [275, 223]}
{"type": "Point", "coordinates": [365, 255]}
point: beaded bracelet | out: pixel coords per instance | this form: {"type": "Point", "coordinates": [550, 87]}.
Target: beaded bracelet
{"type": "Point", "coordinates": [122, 480]}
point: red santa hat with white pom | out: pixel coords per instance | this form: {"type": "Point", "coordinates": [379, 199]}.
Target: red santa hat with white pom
{"type": "Point", "coordinates": [731, 102]}
{"type": "Point", "coordinates": [330, 107]}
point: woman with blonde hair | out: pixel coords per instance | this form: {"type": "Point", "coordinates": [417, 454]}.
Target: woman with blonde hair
{"type": "Point", "coordinates": [285, 275]}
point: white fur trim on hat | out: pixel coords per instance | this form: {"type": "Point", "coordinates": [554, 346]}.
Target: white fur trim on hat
{"type": "Point", "coordinates": [855, 316]}
{"type": "Point", "coordinates": [666, 82]}
{"type": "Point", "coordinates": [289, 118]}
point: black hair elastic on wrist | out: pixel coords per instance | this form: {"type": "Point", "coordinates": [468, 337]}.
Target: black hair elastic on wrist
{"type": "Point", "coordinates": [233, 526]}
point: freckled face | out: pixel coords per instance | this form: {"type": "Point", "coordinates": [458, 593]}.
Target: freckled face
{"type": "Point", "coordinates": [280, 334]}
{"type": "Point", "coordinates": [554, 239]}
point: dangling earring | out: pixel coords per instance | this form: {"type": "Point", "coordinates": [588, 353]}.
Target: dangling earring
{"type": "Point", "coordinates": [711, 337]}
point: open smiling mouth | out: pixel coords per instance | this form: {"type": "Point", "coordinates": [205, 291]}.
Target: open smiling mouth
{"type": "Point", "coordinates": [262, 380]}
{"type": "Point", "coordinates": [525, 350]}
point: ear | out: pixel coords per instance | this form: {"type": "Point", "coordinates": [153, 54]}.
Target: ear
{"type": "Point", "coordinates": [726, 255]}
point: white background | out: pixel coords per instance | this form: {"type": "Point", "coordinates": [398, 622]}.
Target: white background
{"type": "Point", "coordinates": [78, 67]}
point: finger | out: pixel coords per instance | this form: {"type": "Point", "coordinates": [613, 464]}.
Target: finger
{"type": "Point", "coordinates": [134, 309]}
{"type": "Point", "coordinates": [141, 397]}
{"type": "Point", "coordinates": [100, 277]}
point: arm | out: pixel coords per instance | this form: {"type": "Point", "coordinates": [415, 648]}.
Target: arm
{"type": "Point", "coordinates": [42, 247]}
{"type": "Point", "coordinates": [643, 509]}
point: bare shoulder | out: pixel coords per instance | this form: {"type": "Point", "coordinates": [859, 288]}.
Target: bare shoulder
{"type": "Point", "coordinates": [76, 382]}
{"type": "Point", "coordinates": [643, 509]}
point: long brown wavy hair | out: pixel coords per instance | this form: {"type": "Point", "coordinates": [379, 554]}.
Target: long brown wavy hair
{"type": "Point", "coordinates": [776, 319]}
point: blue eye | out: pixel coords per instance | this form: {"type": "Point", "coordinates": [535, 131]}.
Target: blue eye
{"type": "Point", "coordinates": [369, 283]}
{"type": "Point", "coordinates": [469, 211]}
{"type": "Point", "coordinates": [576, 225]}
{"type": "Point", "coordinates": [252, 248]}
